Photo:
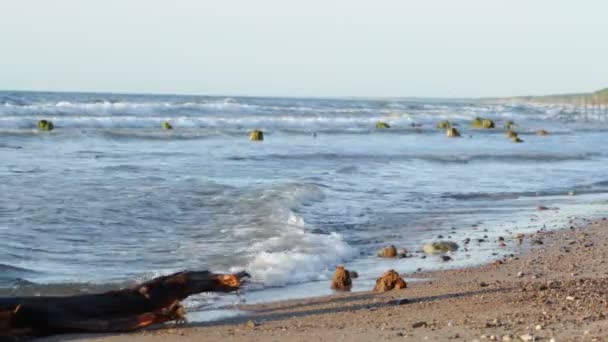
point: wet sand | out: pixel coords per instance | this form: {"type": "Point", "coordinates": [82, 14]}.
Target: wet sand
{"type": "Point", "coordinates": [556, 289]}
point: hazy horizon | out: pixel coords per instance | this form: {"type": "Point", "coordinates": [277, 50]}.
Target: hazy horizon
{"type": "Point", "coordinates": [361, 49]}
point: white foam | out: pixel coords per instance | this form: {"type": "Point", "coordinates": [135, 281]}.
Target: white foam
{"type": "Point", "coordinates": [295, 254]}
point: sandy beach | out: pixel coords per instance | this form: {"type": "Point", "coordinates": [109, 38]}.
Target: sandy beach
{"type": "Point", "coordinates": [554, 289]}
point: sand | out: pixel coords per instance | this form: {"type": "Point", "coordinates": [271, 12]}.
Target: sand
{"type": "Point", "coordinates": [556, 289]}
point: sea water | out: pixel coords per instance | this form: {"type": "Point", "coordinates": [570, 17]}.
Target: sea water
{"type": "Point", "coordinates": [109, 197]}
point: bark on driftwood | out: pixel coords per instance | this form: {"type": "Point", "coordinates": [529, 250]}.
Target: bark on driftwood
{"type": "Point", "coordinates": [154, 301]}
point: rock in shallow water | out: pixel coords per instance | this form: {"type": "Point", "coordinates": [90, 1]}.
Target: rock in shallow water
{"type": "Point", "coordinates": [342, 279]}
{"type": "Point", "coordinates": [440, 247]}
{"type": "Point", "coordinates": [256, 135]}
{"type": "Point", "coordinates": [390, 280]}
{"type": "Point", "coordinates": [45, 125]}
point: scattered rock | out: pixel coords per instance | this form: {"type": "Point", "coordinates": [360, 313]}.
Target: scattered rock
{"type": "Point", "coordinates": [252, 324]}
{"type": "Point", "coordinates": [452, 133]}
{"type": "Point", "coordinates": [440, 247]}
{"type": "Point", "coordinates": [341, 280]}
{"type": "Point", "coordinates": [516, 140]}
{"type": "Point", "coordinates": [445, 124]}
{"type": "Point", "coordinates": [446, 258]}
{"type": "Point", "coordinates": [353, 274]}
{"type": "Point", "coordinates": [482, 123]}
{"type": "Point", "coordinates": [526, 337]}
{"type": "Point", "coordinates": [389, 251]}
{"type": "Point", "coordinates": [419, 325]}
{"type": "Point", "coordinates": [541, 208]}
{"type": "Point", "coordinates": [256, 135]}
{"type": "Point", "coordinates": [45, 125]}
{"type": "Point", "coordinates": [508, 125]}
{"type": "Point", "coordinates": [388, 281]}
{"type": "Point", "coordinates": [166, 125]}
{"type": "Point", "coordinates": [511, 134]}
{"type": "Point", "coordinates": [381, 125]}
{"type": "Point", "coordinates": [542, 133]}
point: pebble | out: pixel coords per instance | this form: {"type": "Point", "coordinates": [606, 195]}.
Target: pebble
{"type": "Point", "coordinates": [520, 274]}
{"type": "Point", "coordinates": [507, 338]}
{"type": "Point", "coordinates": [419, 324]}
{"type": "Point", "coordinates": [526, 337]}
{"type": "Point", "coordinates": [252, 324]}
{"type": "Point", "coordinates": [539, 327]}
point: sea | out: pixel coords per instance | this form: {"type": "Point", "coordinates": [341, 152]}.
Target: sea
{"type": "Point", "coordinates": [109, 198]}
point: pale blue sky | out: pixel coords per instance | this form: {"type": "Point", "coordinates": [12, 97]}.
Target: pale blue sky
{"type": "Point", "coordinates": [442, 48]}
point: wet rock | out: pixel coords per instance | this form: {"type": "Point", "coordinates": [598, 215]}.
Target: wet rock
{"type": "Point", "coordinates": [353, 274]}
{"type": "Point", "coordinates": [166, 125]}
{"type": "Point", "coordinates": [452, 133]}
{"type": "Point", "coordinates": [516, 140]}
{"type": "Point", "coordinates": [390, 280]}
{"type": "Point", "coordinates": [381, 125]}
{"type": "Point", "coordinates": [440, 247]}
{"type": "Point", "coordinates": [542, 133]}
{"type": "Point", "coordinates": [388, 252]}
{"type": "Point", "coordinates": [341, 280]}
{"type": "Point", "coordinates": [252, 324]}
{"type": "Point", "coordinates": [45, 125]}
{"type": "Point", "coordinates": [508, 125]}
{"type": "Point", "coordinates": [446, 258]}
{"type": "Point", "coordinates": [511, 134]}
{"type": "Point", "coordinates": [445, 124]}
{"type": "Point", "coordinates": [482, 123]}
{"type": "Point", "coordinates": [541, 208]}
{"type": "Point", "coordinates": [256, 135]}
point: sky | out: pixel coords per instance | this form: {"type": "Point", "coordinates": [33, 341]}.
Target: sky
{"type": "Point", "coordinates": [321, 48]}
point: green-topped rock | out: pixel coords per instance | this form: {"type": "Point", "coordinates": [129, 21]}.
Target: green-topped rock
{"type": "Point", "coordinates": [45, 125]}
{"type": "Point", "coordinates": [381, 125]}
{"type": "Point", "coordinates": [166, 125]}
{"type": "Point", "coordinates": [445, 124]}
{"type": "Point", "coordinates": [482, 123]}
{"type": "Point", "coordinates": [452, 132]}
{"type": "Point", "coordinates": [256, 135]}
{"type": "Point", "coordinates": [440, 247]}
{"type": "Point", "coordinates": [516, 140]}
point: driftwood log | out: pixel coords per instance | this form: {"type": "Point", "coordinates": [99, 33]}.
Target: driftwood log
{"type": "Point", "coordinates": [155, 301]}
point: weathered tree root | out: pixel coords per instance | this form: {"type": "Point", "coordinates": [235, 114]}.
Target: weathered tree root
{"type": "Point", "coordinates": [152, 302]}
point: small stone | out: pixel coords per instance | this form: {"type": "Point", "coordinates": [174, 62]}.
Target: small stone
{"type": "Point", "coordinates": [419, 325]}
{"type": "Point", "coordinates": [520, 274]}
{"type": "Point", "coordinates": [446, 258]}
{"type": "Point", "coordinates": [539, 327]}
{"type": "Point", "coordinates": [252, 324]}
{"type": "Point", "coordinates": [570, 298]}
{"type": "Point", "coordinates": [526, 337]}
{"type": "Point", "coordinates": [506, 338]}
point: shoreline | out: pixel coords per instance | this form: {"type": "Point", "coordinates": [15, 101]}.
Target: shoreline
{"type": "Point", "coordinates": [554, 288]}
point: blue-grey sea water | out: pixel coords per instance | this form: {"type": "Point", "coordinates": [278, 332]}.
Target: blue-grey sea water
{"type": "Point", "coordinates": [109, 197]}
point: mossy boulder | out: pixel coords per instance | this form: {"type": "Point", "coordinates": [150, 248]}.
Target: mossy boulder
{"type": "Point", "coordinates": [445, 124]}
{"type": "Point", "coordinates": [382, 125]}
{"type": "Point", "coordinates": [256, 135]}
{"type": "Point", "coordinates": [166, 125]}
{"type": "Point", "coordinates": [341, 281]}
{"type": "Point", "coordinates": [440, 247]}
{"type": "Point", "coordinates": [452, 132]}
{"type": "Point", "coordinates": [482, 123]}
{"type": "Point", "coordinates": [45, 125]}
{"type": "Point", "coordinates": [542, 133]}
{"type": "Point", "coordinates": [390, 280]}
